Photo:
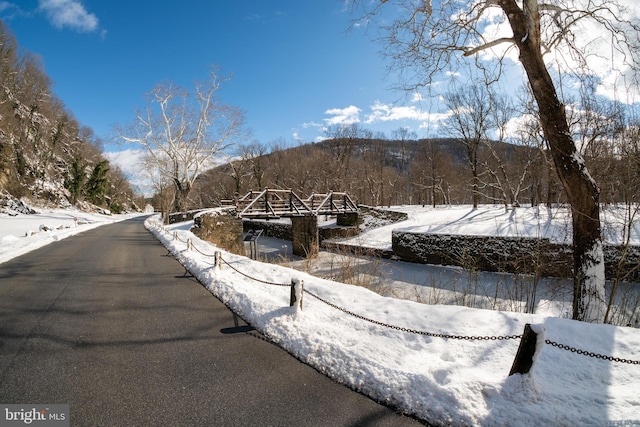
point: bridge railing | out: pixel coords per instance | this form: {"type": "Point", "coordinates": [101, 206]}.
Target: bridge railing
{"type": "Point", "coordinates": [274, 203]}
{"type": "Point", "coordinates": [331, 203]}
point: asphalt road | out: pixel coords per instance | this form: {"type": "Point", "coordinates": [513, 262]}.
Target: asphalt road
{"type": "Point", "coordinates": [108, 323]}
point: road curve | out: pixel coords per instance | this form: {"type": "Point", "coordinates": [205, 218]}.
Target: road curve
{"type": "Point", "coordinates": [106, 322]}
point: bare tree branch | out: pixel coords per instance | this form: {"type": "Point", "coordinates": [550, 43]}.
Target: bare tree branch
{"type": "Point", "coordinates": [183, 131]}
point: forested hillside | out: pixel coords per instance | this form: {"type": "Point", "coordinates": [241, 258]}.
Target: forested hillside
{"type": "Point", "coordinates": [378, 171]}
{"type": "Point", "coordinates": [381, 172]}
{"type": "Point", "coordinates": [46, 156]}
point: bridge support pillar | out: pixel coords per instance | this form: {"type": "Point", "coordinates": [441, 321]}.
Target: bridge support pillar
{"type": "Point", "coordinates": [305, 235]}
{"type": "Point", "coordinates": [349, 219]}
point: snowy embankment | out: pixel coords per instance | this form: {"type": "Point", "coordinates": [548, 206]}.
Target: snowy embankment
{"type": "Point", "coordinates": [444, 364]}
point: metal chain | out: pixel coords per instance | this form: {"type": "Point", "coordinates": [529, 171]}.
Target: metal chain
{"type": "Point", "coordinates": [179, 239]}
{"type": "Point", "coordinates": [591, 354]}
{"type": "Point", "coordinates": [432, 334]}
{"type": "Point", "coordinates": [253, 278]}
{"type": "Point", "coordinates": [412, 331]}
{"type": "Point", "coordinates": [200, 252]}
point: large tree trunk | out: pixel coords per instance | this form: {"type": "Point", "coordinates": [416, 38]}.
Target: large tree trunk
{"type": "Point", "coordinates": [581, 189]}
{"type": "Point", "coordinates": [180, 196]}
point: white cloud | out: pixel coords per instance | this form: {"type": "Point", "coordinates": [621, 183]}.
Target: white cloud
{"type": "Point", "coordinates": [308, 125]}
{"type": "Point", "coordinates": [515, 127]}
{"type": "Point", "coordinates": [130, 162]}
{"type": "Point", "coordinates": [69, 13]}
{"type": "Point", "coordinates": [9, 10]}
{"type": "Point", "coordinates": [320, 138]}
{"type": "Point", "coordinates": [417, 97]}
{"type": "Point", "coordinates": [343, 116]}
{"type": "Point", "coordinates": [387, 112]}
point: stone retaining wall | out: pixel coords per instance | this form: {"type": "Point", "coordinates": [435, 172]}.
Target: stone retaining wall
{"type": "Point", "coordinates": [183, 216]}
{"type": "Point", "coordinates": [221, 227]}
{"type": "Point", "coordinates": [504, 254]}
{"type": "Point", "coordinates": [519, 255]}
{"type": "Point", "coordinates": [278, 230]}
{"type": "Point", "coordinates": [369, 213]}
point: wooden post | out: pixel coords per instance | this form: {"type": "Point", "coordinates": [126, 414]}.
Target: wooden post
{"type": "Point", "coordinates": [290, 200]}
{"type": "Point", "coordinates": [294, 298]}
{"type": "Point", "coordinates": [524, 357]}
{"type": "Point", "coordinates": [266, 200]}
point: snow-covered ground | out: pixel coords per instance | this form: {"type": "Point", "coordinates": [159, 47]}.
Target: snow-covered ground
{"type": "Point", "coordinates": [493, 220]}
{"type": "Point", "coordinates": [445, 364]}
{"type": "Point", "coordinates": [21, 233]}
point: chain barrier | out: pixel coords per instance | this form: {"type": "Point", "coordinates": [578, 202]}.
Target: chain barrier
{"type": "Point", "coordinates": [253, 278]}
{"type": "Point", "coordinates": [376, 322]}
{"type": "Point", "coordinates": [177, 237]}
{"type": "Point", "coordinates": [416, 331]}
{"type": "Point", "coordinates": [591, 354]}
{"type": "Point", "coordinates": [413, 331]}
{"type": "Point", "coordinates": [195, 248]}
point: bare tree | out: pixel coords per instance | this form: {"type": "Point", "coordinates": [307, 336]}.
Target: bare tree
{"type": "Point", "coordinates": [344, 142]}
{"type": "Point", "coordinates": [594, 122]}
{"type": "Point", "coordinates": [469, 121]}
{"type": "Point", "coordinates": [509, 181]}
{"type": "Point", "coordinates": [528, 133]}
{"type": "Point", "coordinates": [254, 156]}
{"type": "Point", "coordinates": [161, 185]}
{"type": "Point", "coordinates": [404, 135]}
{"type": "Point", "coordinates": [432, 37]}
{"type": "Point", "coordinates": [237, 171]}
{"type": "Point", "coordinates": [182, 131]}
{"type": "Point", "coordinates": [434, 159]}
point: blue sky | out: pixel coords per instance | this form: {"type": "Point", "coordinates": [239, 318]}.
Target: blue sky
{"type": "Point", "coordinates": [295, 66]}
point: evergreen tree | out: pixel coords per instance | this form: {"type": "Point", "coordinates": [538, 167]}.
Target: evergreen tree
{"type": "Point", "coordinates": [97, 183]}
{"type": "Point", "coordinates": [75, 179]}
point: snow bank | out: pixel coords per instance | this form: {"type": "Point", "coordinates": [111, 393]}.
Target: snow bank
{"type": "Point", "coordinates": [21, 233]}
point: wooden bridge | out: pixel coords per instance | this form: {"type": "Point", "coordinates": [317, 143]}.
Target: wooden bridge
{"type": "Point", "coordinates": [272, 204]}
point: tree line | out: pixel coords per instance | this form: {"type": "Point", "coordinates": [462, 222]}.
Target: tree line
{"type": "Point", "coordinates": [458, 168]}
{"type": "Point", "coordinates": [45, 154]}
